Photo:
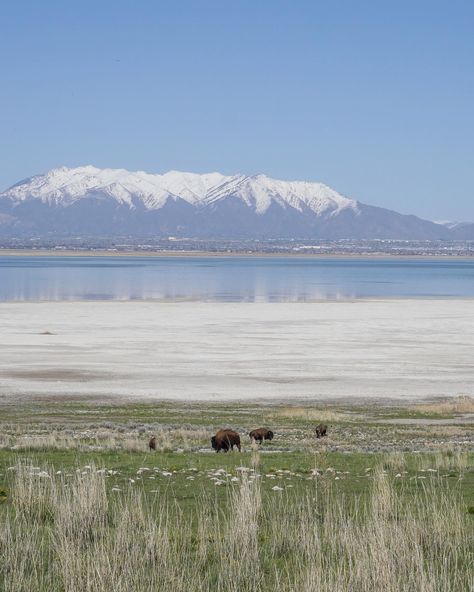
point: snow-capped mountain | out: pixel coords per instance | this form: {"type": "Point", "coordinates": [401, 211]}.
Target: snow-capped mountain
{"type": "Point", "coordinates": [65, 186]}
{"type": "Point", "coordinates": [107, 202]}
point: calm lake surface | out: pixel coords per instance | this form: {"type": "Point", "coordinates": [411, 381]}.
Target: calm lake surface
{"type": "Point", "coordinates": [233, 279]}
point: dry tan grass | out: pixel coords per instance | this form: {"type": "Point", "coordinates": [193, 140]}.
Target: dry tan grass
{"type": "Point", "coordinates": [51, 441]}
{"type": "Point", "coordinates": [461, 404]}
{"type": "Point", "coordinates": [311, 414]}
{"type": "Point", "coordinates": [65, 535]}
{"type": "Point", "coordinates": [451, 459]}
{"type": "Point", "coordinates": [239, 562]}
{"type": "Point", "coordinates": [395, 461]}
{"type": "Point", "coordinates": [449, 430]}
{"type": "Point", "coordinates": [101, 439]}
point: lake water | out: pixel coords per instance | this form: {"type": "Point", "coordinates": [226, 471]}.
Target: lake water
{"type": "Point", "coordinates": [233, 279]}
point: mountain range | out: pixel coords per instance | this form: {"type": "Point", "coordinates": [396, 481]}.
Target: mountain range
{"type": "Point", "coordinates": [88, 201]}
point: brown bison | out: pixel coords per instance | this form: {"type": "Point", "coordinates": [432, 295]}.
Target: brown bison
{"type": "Point", "coordinates": [152, 443]}
{"type": "Point", "coordinates": [261, 434]}
{"type": "Point", "coordinates": [225, 440]}
{"type": "Point", "coordinates": [321, 430]}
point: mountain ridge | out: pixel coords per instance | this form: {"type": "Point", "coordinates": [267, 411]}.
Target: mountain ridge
{"type": "Point", "coordinates": [89, 200]}
{"type": "Point", "coordinates": [70, 183]}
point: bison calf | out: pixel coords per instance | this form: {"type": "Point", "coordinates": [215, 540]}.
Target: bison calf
{"type": "Point", "coordinates": [321, 430]}
{"type": "Point", "coordinates": [225, 440]}
{"type": "Point", "coordinates": [261, 434]}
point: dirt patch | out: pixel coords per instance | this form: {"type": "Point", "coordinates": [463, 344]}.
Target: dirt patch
{"type": "Point", "coordinates": [56, 374]}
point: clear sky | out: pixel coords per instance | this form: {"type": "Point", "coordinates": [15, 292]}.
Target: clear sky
{"type": "Point", "coordinates": [374, 98]}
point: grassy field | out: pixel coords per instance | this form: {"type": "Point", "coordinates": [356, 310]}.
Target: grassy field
{"type": "Point", "coordinates": [385, 502]}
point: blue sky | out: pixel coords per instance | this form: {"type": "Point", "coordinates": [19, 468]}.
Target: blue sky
{"type": "Point", "coordinates": [374, 98]}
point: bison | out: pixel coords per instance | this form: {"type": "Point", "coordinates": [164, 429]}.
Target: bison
{"type": "Point", "coordinates": [152, 443]}
{"type": "Point", "coordinates": [261, 434]}
{"type": "Point", "coordinates": [225, 440]}
{"type": "Point", "coordinates": [321, 430]}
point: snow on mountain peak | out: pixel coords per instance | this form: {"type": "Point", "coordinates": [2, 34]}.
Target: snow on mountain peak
{"type": "Point", "coordinates": [191, 186]}
{"type": "Point", "coordinates": [259, 191]}
{"type": "Point", "coordinates": [64, 186]}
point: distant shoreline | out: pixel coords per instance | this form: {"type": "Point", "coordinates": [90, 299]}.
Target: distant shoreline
{"type": "Point", "coordinates": [178, 254]}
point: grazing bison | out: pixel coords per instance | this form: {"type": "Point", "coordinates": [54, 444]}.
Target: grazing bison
{"type": "Point", "coordinates": [225, 440]}
{"type": "Point", "coordinates": [321, 430]}
{"type": "Point", "coordinates": [261, 434]}
{"type": "Point", "coordinates": [152, 443]}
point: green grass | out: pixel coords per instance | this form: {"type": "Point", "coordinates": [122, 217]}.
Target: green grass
{"type": "Point", "coordinates": [346, 473]}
